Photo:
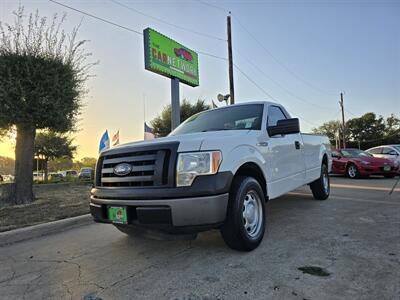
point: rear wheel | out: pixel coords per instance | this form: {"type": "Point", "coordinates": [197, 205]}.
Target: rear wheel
{"type": "Point", "coordinates": [321, 188]}
{"type": "Point", "coordinates": [352, 171]}
{"type": "Point", "coordinates": [245, 224]}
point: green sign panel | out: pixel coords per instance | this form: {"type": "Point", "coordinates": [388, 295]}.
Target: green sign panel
{"type": "Point", "coordinates": [167, 57]}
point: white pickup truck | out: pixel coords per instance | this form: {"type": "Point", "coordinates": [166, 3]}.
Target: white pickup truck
{"type": "Point", "coordinates": [216, 170]}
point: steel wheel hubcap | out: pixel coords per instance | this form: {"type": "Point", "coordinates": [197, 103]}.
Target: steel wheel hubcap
{"type": "Point", "coordinates": [252, 213]}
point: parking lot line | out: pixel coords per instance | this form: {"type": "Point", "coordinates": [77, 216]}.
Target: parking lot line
{"type": "Point", "coordinates": [363, 187]}
{"type": "Point", "coordinates": [349, 199]}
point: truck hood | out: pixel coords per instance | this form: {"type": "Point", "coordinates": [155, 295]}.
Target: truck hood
{"type": "Point", "coordinates": [187, 142]}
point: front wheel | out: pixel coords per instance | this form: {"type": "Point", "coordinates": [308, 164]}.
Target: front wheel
{"type": "Point", "coordinates": [245, 224]}
{"type": "Point", "coordinates": [321, 188]}
{"type": "Point", "coordinates": [352, 171]}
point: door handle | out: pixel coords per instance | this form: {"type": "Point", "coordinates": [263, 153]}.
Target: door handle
{"type": "Point", "coordinates": [297, 144]}
{"type": "Point", "coordinates": [262, 144]}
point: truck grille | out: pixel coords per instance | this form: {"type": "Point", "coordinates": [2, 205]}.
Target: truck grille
{"type": "Point", "coordinates": [150, 167]}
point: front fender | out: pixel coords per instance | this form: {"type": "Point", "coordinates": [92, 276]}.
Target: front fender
{"type": "Point", "coordinates": [238, 156]}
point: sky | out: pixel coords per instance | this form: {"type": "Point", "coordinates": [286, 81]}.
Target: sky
{"type": "Point", "coordinates": [301, 54]}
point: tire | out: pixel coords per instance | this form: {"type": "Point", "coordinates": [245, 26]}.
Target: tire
{"type": "Point", "coordinates": [321, 188]}
{"type": "Point", "coordinates": [389, 176]}
{"type": "Point", "coordinates": [244, 227]}
{"type": "Point", "coordinates": [352, 171]}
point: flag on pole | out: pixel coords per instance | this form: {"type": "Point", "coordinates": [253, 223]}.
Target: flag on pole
{"type": "Point", "coordinates": [104, 142]}
{"type": "Point", "coordinates": [148, 132]}
{"type": "Point", "coordinates": [115, 139]}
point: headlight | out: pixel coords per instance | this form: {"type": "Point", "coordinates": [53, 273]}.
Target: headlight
{"type": "Point", "coordinates": [365, 162]}
{"type": "Point", "coordinates": [193, 164]}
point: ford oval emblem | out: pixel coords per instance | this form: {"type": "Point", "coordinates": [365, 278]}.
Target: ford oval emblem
{"type": "Point", "coordinates": [122, 169]}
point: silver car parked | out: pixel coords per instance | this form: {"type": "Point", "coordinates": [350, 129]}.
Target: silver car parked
{"type": "Point", "coordinates": [391, 152]}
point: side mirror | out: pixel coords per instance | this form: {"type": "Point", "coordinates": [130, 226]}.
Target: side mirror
{"type": "Point", "coordinates": [286, 126]}
{"type": "Point", "coordinates": [336, 156]}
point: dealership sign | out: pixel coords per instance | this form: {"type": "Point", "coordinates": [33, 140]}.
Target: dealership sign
{"type": "Point", "coordinates": [169, 58]}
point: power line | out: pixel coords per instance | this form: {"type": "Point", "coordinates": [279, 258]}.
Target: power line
{"type": "Point", "coordinates": [254, 83]}
{"type": "Point", "coordinates": [124, 27]}
{"type": "Point", "coordinates": [166, 22]}
{"type": "Point", "coordinates": [278, 61]}
{"type": "Point", "coordinates": [349, 112]}
{"type": "Point", "coordinates": [96, 17]}
{"type": "Point", "coordinates": [266, 50]}
{"type": "Point", "coordinates": [266, 93]}
{"type": "Point", "coordinates": [212, 55]}
{"type": "Point", "coordinates": [279, 84]}
{"type": "Point", "coordinates": [213, 6]}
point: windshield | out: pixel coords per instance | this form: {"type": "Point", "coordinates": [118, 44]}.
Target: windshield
{"type": "Point", "coordinates": [241, 117]}
{"type": "Point", "coordinates": [355, 153]}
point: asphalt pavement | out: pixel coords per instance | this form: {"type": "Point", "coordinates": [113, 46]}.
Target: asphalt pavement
{"type": "Point", "coordinates": [347, 247]}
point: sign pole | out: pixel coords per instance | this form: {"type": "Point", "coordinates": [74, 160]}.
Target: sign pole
{"type": "Point", "coordinates": [175, 105]}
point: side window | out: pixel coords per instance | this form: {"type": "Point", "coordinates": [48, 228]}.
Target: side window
{"type": "Point", "coordinates": [387, 150]}
{"type": "Point", "coordinates": [274, 115]}
{"type": "Point", "coordinates": [375, 151]}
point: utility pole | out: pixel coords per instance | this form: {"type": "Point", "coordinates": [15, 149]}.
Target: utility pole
{"type": "Point", "coordinates": [343, 123]}
{"type": "Point", "coordinates": [230, 60]}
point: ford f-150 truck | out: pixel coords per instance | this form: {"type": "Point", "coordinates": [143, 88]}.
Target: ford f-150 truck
{"type": "Point", "coordinates": [216, 170]}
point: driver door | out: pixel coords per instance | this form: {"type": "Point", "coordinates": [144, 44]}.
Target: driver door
{"type": "Point", "coordinates": [284, 157]}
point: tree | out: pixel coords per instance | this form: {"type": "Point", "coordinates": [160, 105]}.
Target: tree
{"type": "Point", "coordinates": [392, 131]}
{"type": "Point", "coordinates": [50, 145]}
{"type": "Point", "coordinates": [85, 162]}
{"type": "Point", "coordinates": [42, 75]}
{"type": "Point", "coordinates": [331, 129]}
{"type": "Point", "coordinates": [7, 165]}
{"type": "Point", "coordinates": [59, 164]}
{"type": "Point", "coordinates": [366, 131]}
{"type": "Point", "coordinates": [366, 128]}
{"type": "Point", "coordinates": [162, 123]}
{"type": "Point", "coordinates": [3, 132]}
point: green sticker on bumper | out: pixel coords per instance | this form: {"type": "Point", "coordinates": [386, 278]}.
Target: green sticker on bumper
{"type": "Point", "coordinates": [117, 215]}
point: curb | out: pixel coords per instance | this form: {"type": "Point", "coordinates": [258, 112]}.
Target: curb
{"type": "Point", "coordinates": [35, 231]}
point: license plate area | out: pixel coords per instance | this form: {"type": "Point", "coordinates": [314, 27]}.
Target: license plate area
{"type": "Point", "coordinates": [117, 214]}
{"type": "Point", "coordinates": [386, 168]}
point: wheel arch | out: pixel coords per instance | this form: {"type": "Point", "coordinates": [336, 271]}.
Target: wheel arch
{"type": "Point", "coordinates": [325, 160]}
{"type": "Point", "coordinates": [253, 170]}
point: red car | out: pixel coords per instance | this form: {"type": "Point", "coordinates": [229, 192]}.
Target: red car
{"type": "Point", "coordinates": [356, 163]}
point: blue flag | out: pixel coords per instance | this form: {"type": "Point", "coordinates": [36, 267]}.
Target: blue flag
{"type": "Point", "coordinates": [104, 142]}
{"type": "Point", "coordinates": [148, 132]}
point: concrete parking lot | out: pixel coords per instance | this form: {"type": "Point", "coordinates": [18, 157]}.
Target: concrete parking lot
{"type": "Point", "coordinates": [354, 237]}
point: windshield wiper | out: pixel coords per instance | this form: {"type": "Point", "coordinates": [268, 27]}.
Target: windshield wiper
{"type": "Point", "coordinates": [215, 129]}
